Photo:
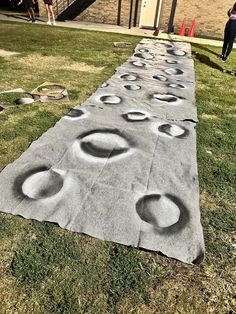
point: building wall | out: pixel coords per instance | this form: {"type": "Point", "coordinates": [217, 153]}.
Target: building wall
{"type": "Point", "coordinates": [107, 11]}
{"type": "Point", "coordinates": [42, 9]}
{"type": "Point", "coordinates": [104, 11]}
{"type": "Point", "coordinates": [210, 18]}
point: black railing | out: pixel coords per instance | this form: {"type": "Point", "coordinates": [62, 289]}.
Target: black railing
{"type": "Point", "coordinates": [60, 6]}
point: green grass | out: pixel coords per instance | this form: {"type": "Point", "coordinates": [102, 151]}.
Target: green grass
{"type": "Point", "coordinates": [45, 269]}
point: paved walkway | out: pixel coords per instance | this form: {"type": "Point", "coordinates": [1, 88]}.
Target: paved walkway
{"type": "Point", "coordinates": [16, 17]}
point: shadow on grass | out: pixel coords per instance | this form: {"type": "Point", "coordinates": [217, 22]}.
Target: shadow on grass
{"type": "Point", "coordinates": [205, 48]}
{"type": "Point", "coordinates": [207, 61]}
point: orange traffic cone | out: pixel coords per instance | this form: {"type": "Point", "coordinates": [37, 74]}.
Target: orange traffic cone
{"type": "Point", "coordinates": [192, 29]}
{"type": "Point", "coordinates": [182, 29]}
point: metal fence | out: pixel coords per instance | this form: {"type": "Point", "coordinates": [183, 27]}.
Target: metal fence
{"type": "Point", "coordinates": [60, 6]}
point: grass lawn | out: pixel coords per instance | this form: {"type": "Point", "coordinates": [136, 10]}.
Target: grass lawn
{"type": "Point", "coordinates": [45, 269]}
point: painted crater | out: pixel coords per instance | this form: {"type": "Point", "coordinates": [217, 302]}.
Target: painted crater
{"type": "Point", "coordinates": [103, 144]}
{"type": "Point", "coordinates": [129, 77]}
{"type": "Point", "coordinates": [142, 50]}
{"type": "Point", "coordinates": [145, 55]}
{"type": "Point", "coordinates": [168, 98]}
{"type": "Point", "coordinates": [175, 85]}
{"type": "Point", "coordinates": [173, 71]}
{"type": "Point", "coordinates": [177, 52]}
{"type": "Point", "coordinates": [132, 87]}
{"type": "Point", "coordinates": [42, 184]}
{"type": "Point", "coordinates": [75, 113]}
{"type": "Point", "coordinates": [160, 77]}
{"type": "Point", "coordinates": [173, 130]}
{"type": "Point", "coordinates": [138, 64]}
{"type": "Point", "coordinates": [163, 45]}
{"type": "Point", "coordinates": [110, 99]}
{"type": "Point", "coordinates": [171, 61]}
{"type": "Point", "coordinates": [165, 213]}
{"type": "Point", "coordinates": [136, 116]}
{"type": "Point", "coordinates": [24, 101]}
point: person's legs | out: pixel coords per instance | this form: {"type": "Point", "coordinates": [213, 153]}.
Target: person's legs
{"type": "Point", "coordinates": [226, 41]}
{"type": "Point", "coordinates": [29, 13]}
{"type": "Point", "coordinates": [52, 13]}
{"type": "Point", "coordinates": [230, 44]}
{"type": "Point", "coordinates": [32, 15]}
{"type": "Point", "coordinates": [48, 13]}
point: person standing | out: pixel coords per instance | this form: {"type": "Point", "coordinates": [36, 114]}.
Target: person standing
{"type": "Point", "coordinates": [230, 34]}
{"type": "Point", "coordinates": [50, 13]}
{"type": "Point", "coordinates": [29, 5]}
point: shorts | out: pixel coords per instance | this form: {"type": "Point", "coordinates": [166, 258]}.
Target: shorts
{"type": "Point", "coordinates": [48, 2]}
{"type": "Point", "coordinates": [28, 4]}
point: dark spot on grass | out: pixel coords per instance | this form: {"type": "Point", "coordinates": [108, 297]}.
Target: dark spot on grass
{"type": "Point", "coordinates": [2, 60]}
{"type": "Point", "coordinates": [222, 220]}
{"type": "Point", "coordinates": [128, 274]}
{"type": "Point", "coordinates": [35, 261]}
{"type": "Point", "coordinates": [63, 300]}
{"type": "Point", "coordinates": [7, 226]}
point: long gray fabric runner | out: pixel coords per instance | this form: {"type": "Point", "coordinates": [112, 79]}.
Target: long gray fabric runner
{"type": "Point", "coordinates": [122, 167]}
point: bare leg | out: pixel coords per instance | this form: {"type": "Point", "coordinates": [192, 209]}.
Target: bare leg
{"type": "Point", "coordinates": [52, 13]}
{"type": "Point", "coordinates": [29, 13]}
{"type": "Point", "coordinates": [32, 14]}
{"type": "Point", "coordinates": [48, 13]}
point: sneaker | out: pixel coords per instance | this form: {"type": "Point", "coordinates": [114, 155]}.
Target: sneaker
{"type": "Point", "coordinates": [54, 23]}
{"type": "Point", "coordinates": [224, 59]}
{"type": "Point", "coordinates": [48, 23]}
{"type": "Point", "coordinates": [33, 20]}
{"type": "Point", "coordinates": [29, 20]}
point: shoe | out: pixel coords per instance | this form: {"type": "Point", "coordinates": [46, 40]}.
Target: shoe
{"type": "Point", "coordinates": [48, 23]}
{"type": "Point", "coordinates": [54, 23]}
{"type": "Point", "coordinates": [33, 21]}
{"type": "Point", "coordinates": [224, 59]}
{"type": "Point", "coordinates": [29, 20]}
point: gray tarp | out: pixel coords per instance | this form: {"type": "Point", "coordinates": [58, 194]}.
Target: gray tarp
{"type": "Point", "coordinates": [122, 167]}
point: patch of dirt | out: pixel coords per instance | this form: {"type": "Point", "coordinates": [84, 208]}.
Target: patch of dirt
{"type": "Point", "coordinates": [209, 117]}
{"type": "Point", "coordinates": [5, 53]}
{"type": "Point", "coordinates": [37, 61]}
{"type": "Point", "coordinates": [207, 200]}
{"type": "Point", "coordinates": [230, 115]}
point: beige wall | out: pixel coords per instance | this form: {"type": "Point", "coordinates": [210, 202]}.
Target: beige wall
{"type": "Point", "coordinates": [210, 17]}
{"type": "Point", "coordinates": [42, 10]}
{"type": "Point", "coordinates": [106, 11]}
{"type": "Point", "coordinates": [102, 11]}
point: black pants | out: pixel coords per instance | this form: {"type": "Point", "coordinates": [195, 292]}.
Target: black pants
{"type": "Point", "coordinates": [230, 34]}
